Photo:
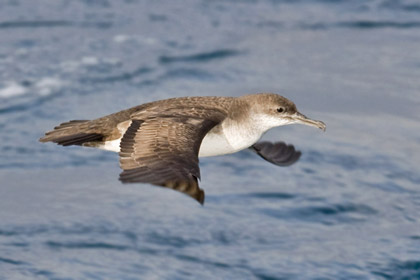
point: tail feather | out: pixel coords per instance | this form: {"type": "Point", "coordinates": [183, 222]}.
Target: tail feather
{"type": "Point", "coordinates": [71, 123]}
{"type": "Point", "coordinates": [75, 139]}
{"type": "Point", "coordinates": [71, 133]}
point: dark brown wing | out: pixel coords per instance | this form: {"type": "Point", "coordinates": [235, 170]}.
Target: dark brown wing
{"type": "Point", "coordinates": [278, 153]}
{"type": "Point", "coordinates": [163, 150]}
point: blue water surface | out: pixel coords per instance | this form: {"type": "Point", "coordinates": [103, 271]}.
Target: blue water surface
{"type": "Point", "coordinates": [349, 209]}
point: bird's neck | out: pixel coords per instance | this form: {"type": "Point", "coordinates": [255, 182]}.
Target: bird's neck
{"type": "Point", "coordinates": [243, 131]}
{"type": "Point", "coordinates": [240, 130]}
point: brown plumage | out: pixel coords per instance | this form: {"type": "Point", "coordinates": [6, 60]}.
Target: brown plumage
{"type": "Point", "coordinates": [159, 142]}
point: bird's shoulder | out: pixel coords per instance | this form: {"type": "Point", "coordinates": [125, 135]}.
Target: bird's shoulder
{"type": "Point", "coordinates": [213, 107]}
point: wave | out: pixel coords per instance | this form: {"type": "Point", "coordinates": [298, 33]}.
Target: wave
{"type": "Point", "coordinates": [35, 24]}
{"type": "Point", "coordinates": [119, 77]}
{"type": "Point", "coordinates": [86, 245]}
{"type": "Point", "coordinates": [11, 261]}
{"type": "Point", "coordinates": [397, 269]}
{"type": "Point", "coordinates": [12, 89]}
{"type": "Point", "coordinates": [199, 57]}
{"type": "Point", "coordinates": [21, 96]}
{"type": "Point", "coordinates": [327, 214]}
{"type": "Point", "coordinates": [362, 24]}
{"type": "Point", "coordinates": [54, 24]}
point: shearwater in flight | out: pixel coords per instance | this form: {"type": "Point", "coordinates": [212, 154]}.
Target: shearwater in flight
{"type": "Point", "coordinates": [160, 142]}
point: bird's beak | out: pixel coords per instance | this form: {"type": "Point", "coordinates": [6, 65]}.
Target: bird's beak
{"type": "Point", "coordinates": [302, 119]}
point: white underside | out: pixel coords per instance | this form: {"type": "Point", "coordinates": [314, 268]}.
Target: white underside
{"type": "Point", "coordinates": [224, 139]}
{"type": "Point", "coordinates": [227, 141]}
{"type": "Point", "coordinates": [212, 145]}
{"type": "Point", "coordinates": [113, 146]}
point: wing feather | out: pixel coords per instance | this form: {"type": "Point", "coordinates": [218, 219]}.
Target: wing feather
{"type": "Point", "coordinates": [163, 149]}
{"type": "Point", "coordinates": [278, 153]}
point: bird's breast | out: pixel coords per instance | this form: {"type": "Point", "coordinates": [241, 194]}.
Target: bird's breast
{"type": "Point", "coordinates": [226, 139]}
{"type": "Point", "coordinates": [215, 144]}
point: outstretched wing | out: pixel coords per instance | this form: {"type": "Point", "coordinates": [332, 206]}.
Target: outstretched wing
{"type": "Point", "coordinates": [278, 153]}
{"type": "Point", "coordinates": [163, 150]}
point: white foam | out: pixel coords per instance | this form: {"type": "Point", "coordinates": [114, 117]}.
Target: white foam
{"type": "Point", "coordinates": [122, 38]}
{"type": "Point", "coordinates": [69, 66]}
{"type": "Point", "coordinates": [12, 89]}
{"type": "Point", "coordinates": [48, 85]}
{"type": "Point", "coordinates": [90, 60]}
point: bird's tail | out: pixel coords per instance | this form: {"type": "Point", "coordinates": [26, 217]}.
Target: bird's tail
{"type": "Point", "coordinates": [71, 133]}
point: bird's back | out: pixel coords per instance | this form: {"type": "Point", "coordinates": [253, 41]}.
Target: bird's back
{"type": "Point", "coordinates": [112, 127]}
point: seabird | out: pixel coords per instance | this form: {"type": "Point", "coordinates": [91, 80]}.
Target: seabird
{"type": "Point", "coordinates": [160, 142]}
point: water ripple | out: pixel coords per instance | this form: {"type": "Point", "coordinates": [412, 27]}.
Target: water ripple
{"type": "Point", "coordinates": [397, 5]}
{"type": "Point", "coordinates": [199, 57]}
{"type": "Point", "coordinates": [202, 261]}
{"type": "Point", "coordinates": [404, 175]}
{"type": "Point", "coordinates": [330, 214]}
{"type": "Point", "coordinates": [11, 261]}
{"type": "Point", "coordinates": [387, 186]}
{"type": "Point", "coordinates": [184, 73]}
{"type": "Point", "coordinates": [367, 24]}
{"type": "Point", "coordinates": [86, 245]}
{"type": "Point", "coordinates": [53, 24]}
{"type": "Point", "coordinates": [120, 77]}
{"type": "Point", "coordinates": [35, 24]}
{"type": "Point", "coordinates": [362, 24]}
{"type": "Point", "coordinates": [174, 241]}
{"type": "Point", "coordinates": [247, 198]}
{"type": "Point", "coordinates": [409, 269]}
{"type": "Point", "coordinates": [271, 195]}
{"type": "Point", "coordinates": [29, 231]}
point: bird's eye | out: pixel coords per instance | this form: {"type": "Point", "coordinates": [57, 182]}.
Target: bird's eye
{"type": "Point", "coordinates": [280, 110]}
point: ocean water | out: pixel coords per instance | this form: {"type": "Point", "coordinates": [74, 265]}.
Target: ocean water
{"type": "Point", "coordinates": [348, 209]}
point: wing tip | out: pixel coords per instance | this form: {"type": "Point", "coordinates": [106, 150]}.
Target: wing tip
{"type": "Point", "coordinates": [187, 187]}
{"type": "Point", "coordinates": [278, 153]}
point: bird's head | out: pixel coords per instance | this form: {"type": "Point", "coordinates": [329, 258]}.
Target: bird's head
{"type": "Point", "coordinates": [273, 110]}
